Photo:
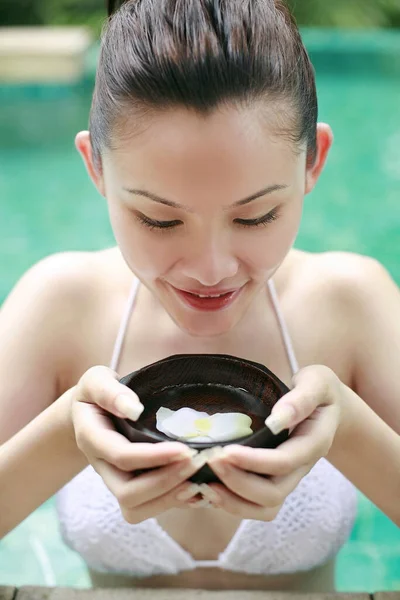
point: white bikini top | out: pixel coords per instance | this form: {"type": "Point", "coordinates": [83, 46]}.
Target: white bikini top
{"type": "Point", "coordinates": [313, 523]}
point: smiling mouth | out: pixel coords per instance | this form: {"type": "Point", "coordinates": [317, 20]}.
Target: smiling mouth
{"type": "Point", "coordinates": [209, 302]}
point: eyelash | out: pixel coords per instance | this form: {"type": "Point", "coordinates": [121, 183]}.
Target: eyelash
{"type": "Point", "coordinates": [268, 218]}
{"type": "Point", "coordinates": [151, 224]}
{"type": "Point", "coordinates": [163, 225]}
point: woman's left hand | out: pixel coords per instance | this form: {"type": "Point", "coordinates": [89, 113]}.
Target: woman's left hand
{"type": "Point", "coordinates": [312, 410]}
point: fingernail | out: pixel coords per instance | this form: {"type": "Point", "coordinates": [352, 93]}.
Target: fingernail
{"type": "Point", "coordinates": [187, 453]}
{"type": "Point", "coordinates": [128, 406]}
{"type": "Point", "coordinates": [214, 453]}
{"type": "Point", "coordinates": [218, 468]}
{"type": "Point", "coordinates": [195, 464]}
{"type": "Point", "coordinates": [190, 492]}
{"type": "Point", "coordinates": [201, 504]}
{"type": "Point", "coordinates": [280, 419]}
{"type": "Point", "coordinates": [209, 493]}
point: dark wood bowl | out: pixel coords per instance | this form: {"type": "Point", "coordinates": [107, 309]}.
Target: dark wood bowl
{"type": "Point", "coordinates": [206, 382]}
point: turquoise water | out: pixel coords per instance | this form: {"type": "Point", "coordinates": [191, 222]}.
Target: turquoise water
{"type": "Point", "coordinates": [368, 562]}
{"type": "Point", "coordinates": [48, 205]}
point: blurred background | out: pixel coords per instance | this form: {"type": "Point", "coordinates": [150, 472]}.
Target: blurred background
{"type": "Point", "coordinates": [48, 204]}
{"type": "Point", "coordinates": [318, 13]}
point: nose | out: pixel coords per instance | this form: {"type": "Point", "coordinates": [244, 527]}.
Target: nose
{"type": "Point", "coordinates": [210, 259]}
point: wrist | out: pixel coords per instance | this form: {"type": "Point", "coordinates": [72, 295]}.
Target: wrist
{"type": "Point", "coordinates": [345, 412]}
{"type": "Point", "coordinates": [344, 436]}
{"type": "Point", "coordinates": [66, 411]}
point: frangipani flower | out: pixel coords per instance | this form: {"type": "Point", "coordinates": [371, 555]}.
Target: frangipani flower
{"type": "Point", "coordinates": [187, 424]}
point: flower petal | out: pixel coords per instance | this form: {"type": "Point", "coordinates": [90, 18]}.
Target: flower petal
{"type": "Point", "coordinates": [187, 423]}
{"type": "Point", "coordinates": [178, 424]}
{"type": "Point", "coordinates": [229, 426]}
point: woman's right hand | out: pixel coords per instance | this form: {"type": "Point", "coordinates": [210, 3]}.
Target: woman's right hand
{"type": "Point", "coordinates": [114, 457]}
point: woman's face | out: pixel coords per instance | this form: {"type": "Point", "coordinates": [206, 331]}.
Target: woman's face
{"type": "Point", "coordinates": [204, 211]}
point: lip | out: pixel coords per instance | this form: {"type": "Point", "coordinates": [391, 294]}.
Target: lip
{"type": "Point", "coordinates": [216, 303]}
{"type": "Point", "coordinates": [209, 291]}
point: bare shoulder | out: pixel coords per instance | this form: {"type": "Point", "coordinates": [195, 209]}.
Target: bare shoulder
{"type": "Point", "coordinates": [45, 324]}
{"type": "Point", "coordinates": [354, 280]}
{"type": "Point", "coordinates": [52, 311]}
{"type": "Point", "coordinates": [58, 280]}
{"type": "Point", "coordinates": [72, 276]}
{"type": "Point", "coordinates": [354, 303]}
{"type": "Point", "coordinates": [52, 295]}
{"type": "Point", "coordinates": [367, 299]}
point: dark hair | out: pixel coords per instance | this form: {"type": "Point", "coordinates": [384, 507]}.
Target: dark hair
{"type": "Point", "coordinates": [200, 54]}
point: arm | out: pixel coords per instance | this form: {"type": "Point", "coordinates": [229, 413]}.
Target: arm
{"type": "Point", "coordinates": [38, 453]}
{"type": "Point", "coordinates": [367, 451]}
{"type": "Point", "coordinates": [366, 448]}
{"type": "Point", "coordinates": [37, 461]}
{"type": "Point", "coordinates": [356, 426]}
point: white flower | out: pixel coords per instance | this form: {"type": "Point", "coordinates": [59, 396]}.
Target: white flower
{"type": "Point", "coordinates": [189, 424]}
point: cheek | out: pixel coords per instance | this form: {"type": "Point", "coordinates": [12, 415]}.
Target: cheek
{"type": "Point", "coordinates": [284, 234]}
{"type": "Point", "coordinates": [264, 250]}
{"type": "Point", "coordinates": [146, 253]}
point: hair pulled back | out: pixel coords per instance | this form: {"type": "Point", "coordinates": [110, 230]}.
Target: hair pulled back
{"type": "Point", "coordinates": [201, 54]}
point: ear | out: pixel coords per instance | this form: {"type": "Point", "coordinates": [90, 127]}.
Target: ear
{"type": "Point", "coordinates": [84, 147]}
{"type": "Point", "coordinates": [324, 142]}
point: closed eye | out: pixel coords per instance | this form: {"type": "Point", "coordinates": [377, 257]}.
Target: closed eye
{"type": "Point", "coordinates": [264, 220]}
{"type": "Point", "coordinates": [153, 224]}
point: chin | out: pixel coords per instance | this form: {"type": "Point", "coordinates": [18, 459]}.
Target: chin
{"type": "Point", "coordinates": [202, 331]}
{"type": "Point", "coordinates": [206, 324]}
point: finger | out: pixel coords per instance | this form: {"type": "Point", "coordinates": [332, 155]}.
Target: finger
{"type": "Point", "coordinates": [310, 441]}
{"type": "Point", "coordinates": [134, 491]}
{"type": "Point", "coordinates": [99, 385]}
{"type": "Point", "coordinates": [96, 437]}
{"type": "Point", "coordinates": [314, 386]}
{"type": "Point", "coordinates": [236, 505]}
{"type": "Point", "coordinates": [172, 499]}
{"type": "Point", "coordinates": [258, 490]}
{"type": "Point", "coordinates": [286, 484]}
{"type": "Point", "coordinates": [178, 497]}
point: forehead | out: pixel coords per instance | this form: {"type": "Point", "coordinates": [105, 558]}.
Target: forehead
{"type": "Point", "coordinates": [181, 150]}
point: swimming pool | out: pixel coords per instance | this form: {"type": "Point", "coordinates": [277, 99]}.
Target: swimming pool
{"type": "Point", "coordinates": [48, 205]}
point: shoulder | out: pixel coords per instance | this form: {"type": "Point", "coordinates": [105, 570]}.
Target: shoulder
{"type": "Point", "coordinates": [70, 278]}
{"type": "Point", "coordinates": [50, 298]}
{"type": "Point", "coordinates": [69, 290]}
{"type": "Point", "coordinates": [361, 301]}
{"type": "Point", "coordinates": [350, 288]}
{"type": "Point", "coordinates": [59, 278]}
{"type": "Point", "coordinates": [340, 294]}
{"type": "Point", "coordinates": [370, 298]}
{"type": "Point", "coordinates": [353, 280]}
{"type": "Point", "coordinates": [54, 310]}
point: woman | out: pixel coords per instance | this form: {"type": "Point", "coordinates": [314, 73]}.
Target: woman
{"type": "Point", "coordinates": [203, 139]}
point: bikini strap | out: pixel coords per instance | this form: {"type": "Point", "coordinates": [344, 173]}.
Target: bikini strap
{"type": "Point", "coordinates": [124, 325]}
{"type": "Point", "coordinates": [283, 327]}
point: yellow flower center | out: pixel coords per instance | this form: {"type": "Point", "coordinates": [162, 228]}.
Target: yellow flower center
{"type": "Point", "coordinates": [203, 425]}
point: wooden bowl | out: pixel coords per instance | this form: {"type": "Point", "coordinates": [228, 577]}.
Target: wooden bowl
{"type": "Point", "coordinates": [206, 382]}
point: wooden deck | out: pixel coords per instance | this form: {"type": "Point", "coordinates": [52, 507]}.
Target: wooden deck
{"type": "Point", "coordinates": [58, 593]}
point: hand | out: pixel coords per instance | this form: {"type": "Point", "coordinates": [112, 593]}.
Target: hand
{"type": "Point", "coordinates": [113, 457]}
{"type": "Point", "coordinates": [312, 409]}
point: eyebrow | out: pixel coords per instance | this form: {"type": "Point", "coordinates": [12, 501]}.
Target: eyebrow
{"type": "Point", "coordinates": [160, 200]}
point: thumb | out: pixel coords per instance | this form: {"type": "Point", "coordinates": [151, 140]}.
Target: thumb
{"type": "Point", "coordinates": [283, 415]}
{"type": "Point", "coordinates": [313, 386]}
{"type": "Point", "coordinates": [99, 385]}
